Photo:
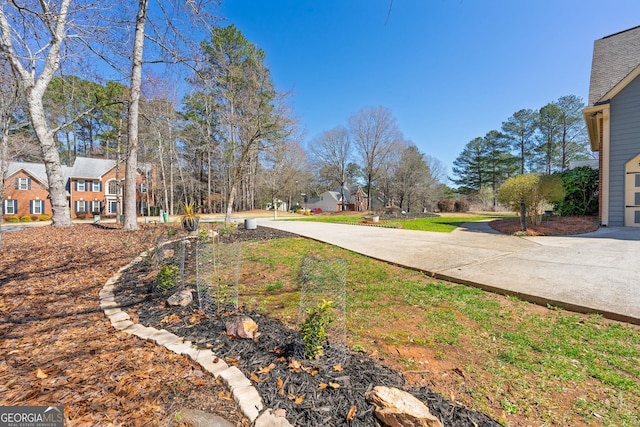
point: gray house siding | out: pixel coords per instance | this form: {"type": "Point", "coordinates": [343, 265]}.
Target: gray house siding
{"type": "Point", "coordinates": [625, 145]}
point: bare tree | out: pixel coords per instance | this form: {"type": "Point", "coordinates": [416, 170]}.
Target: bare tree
{"type": "Point", "coordinates": [373, 130]}
{"type": "Point", "coordinates": [8, 106]}
{"type": "Point", "coordinates": [331, 152]}
{"type": "Point", "coordinates": [411, 175]}
{"type": "Point", "coordinates": [171, 42]}
{"type": "Point", "coordinates": [31, 40]}
{"type": "Point", "coordinates": [130, 211]}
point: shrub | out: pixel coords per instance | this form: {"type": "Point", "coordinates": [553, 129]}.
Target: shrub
{"type": "Point", "coordinates": [81, 215]}
{"type": "Point", "coordinates": [12, 218]}
{"type": "Point", "coordinates": [25, 218]}
{"type": "Point", "coordinates": [446, 205]}
{"type": "Point", "coordinates": [581, 188]}
{"type": "Point", "coordinates": [167, 278]}
{"type": "Point", "coordinates": [461, 205]}
{"type": "Point", "coordinates": [313, 328]}
{"type": "Point", "coordinates": [44, 218]}
{"type": "Point", "coordinates": [534, 189]}
{"type": "Point", "coordinates": [35, 218]}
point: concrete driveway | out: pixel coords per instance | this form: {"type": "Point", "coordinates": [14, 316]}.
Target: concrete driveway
{"type": "Point", "coordinates": [594, 272]}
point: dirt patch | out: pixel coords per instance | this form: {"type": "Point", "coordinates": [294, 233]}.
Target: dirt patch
{"type": "Point", "coordinates": [554, 226]}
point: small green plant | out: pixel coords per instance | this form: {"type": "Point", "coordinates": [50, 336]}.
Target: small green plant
{"type": "Point", "coordinates": [227, 229]}
{"type": "Point", "coordinates": [25, 218]}
{"type": "Point", "coordinates": [44, 218]}
{"type": "Point", "coordinates": [12, 218]}
{"type": "Point", "coordinates": [167, 277]}
{"type": "Point", "coordinates": [314, 328]}
{"type": "Point", "coordinates": [358, 347]}
{"type": "Point", "coordinates": [274, 286]}
{"type": "Point", "coordinates": [203, 235]}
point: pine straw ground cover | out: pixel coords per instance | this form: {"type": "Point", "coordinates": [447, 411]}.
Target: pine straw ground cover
{"type": "Point", "coordinates": [57, 347]}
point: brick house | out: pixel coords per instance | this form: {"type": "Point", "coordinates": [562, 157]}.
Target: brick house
{"type": "Point", "coordinates": [26, 190]}
{"type": "Point", "coordinates": [92, 188]}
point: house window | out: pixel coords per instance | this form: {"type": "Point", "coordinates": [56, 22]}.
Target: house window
{"type": "Point", "coordinates": [10, 207]}
{"type": "Point", "coordinates": [96, 186]}
{"type": "Point", "coordinates": [23, 183]}
{"type": "Point", "coordinates": [96, 206]}
{"type": "Point", "coordinates": [81, 185]}
{"type": "Point", "coordinates": [112, 187]}
{"type": "Point", "coordinates": [81, 206]}
{"type": "Point", "coordinates": [37, 207]}
{"type": "Point", "coordinates": [143, 187]}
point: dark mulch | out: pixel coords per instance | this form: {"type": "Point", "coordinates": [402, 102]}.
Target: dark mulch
{"type": "Point", "coordinates": [268, 360]}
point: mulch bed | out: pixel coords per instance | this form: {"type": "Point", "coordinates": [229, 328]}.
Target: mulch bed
{"type": "Point", "coordinates": [313, 393]}
{"type": "Point", "coordinates": [553, 226]}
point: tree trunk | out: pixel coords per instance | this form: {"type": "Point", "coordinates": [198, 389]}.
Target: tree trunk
{"type": "Point", "coordinates": [35, 89]}
{"type": "Point", "coordinates": [130, 214]}
{"type": "Point", "coordinates": [57, 193]}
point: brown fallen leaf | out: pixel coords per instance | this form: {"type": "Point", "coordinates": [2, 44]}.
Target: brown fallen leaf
{"type": "Point", "coordinates": [295, 365]}
{"type": "Point", "coordinates": [267, 369]}
{"type": "Point", "coordinates": [338, 367]}
{"type": "Point", "coordinates": [279, 382]}
{"type": "Point", "coordinates": [253, 377]}
{"type": "Point", "coordinates": [322, 386]}
{"type": "Point", "coordinates": [352, 413]}
{"type": "Point", "coordinates": [334, 385]}
{"type": "Point", "coordinates": [40, 374]}
{"type": "Point", "coordinates": [299, 400]}
{"type": "Point", "coordinates": [224, 396]}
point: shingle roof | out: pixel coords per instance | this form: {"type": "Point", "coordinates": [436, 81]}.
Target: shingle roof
{"type": "Point", "coordinates": [614, 57]}
{"type": "Point", "coordinates": [84, 167]}
{"type": "Point", "coordinates": [36, 170]}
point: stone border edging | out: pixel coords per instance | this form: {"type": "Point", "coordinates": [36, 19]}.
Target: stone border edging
{"type": "Point", "coordinates": [245, 394]}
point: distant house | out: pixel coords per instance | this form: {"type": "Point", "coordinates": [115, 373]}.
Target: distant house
{"type": "Point", "coordinates": [26, 190]}
{"type": "Point", "coordinates": [94, 187]}
{"type": "Point", "coordinates": [613, 123]}
{"type": "Point", "coordinates": [355, 199]}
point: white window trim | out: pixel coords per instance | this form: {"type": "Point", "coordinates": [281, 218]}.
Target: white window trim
{"type": "Point", "coordinates": [95, 186]}
{"type": "Point", "coordinates": [108, 190]}
{"type": "Point", "coordinates": [11, 203]}
{"type": "Point", "coordinates": [38, 207]}
{"type": "Point", "coordinates": [81, 185]}
{"type": "Point", "coordinates": [23, 183]}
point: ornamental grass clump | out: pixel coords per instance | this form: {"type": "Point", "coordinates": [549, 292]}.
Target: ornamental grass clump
{"type": "Point", "coordinates": [189, 218]}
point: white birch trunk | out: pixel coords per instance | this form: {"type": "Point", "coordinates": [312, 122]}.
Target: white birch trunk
{"type": "Point", "coordinates": [35, 89]}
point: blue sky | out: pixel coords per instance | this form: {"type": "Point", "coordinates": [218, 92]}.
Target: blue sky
{"type": "Point", "coordinates": [449, 70]}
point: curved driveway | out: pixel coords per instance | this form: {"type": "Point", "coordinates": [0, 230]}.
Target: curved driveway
{"type": "Point", "coordinates": [594, 272]}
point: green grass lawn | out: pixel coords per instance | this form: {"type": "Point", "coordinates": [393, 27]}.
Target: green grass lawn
{"type": "Point", "coordinates": [522, 364]}
{"type": "Point", "coordinates": [444, 224]}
